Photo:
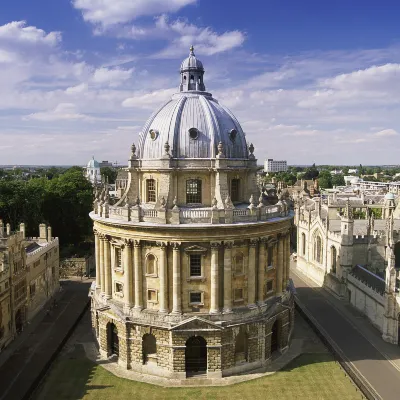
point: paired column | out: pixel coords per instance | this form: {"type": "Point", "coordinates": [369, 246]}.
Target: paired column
{"type": "Point", "coordinates": [214, 304]}
{"type": "Point", "coordinates": [287, 258]}
{"type": "Point", "coordinates": [228, 276]}
{"type": "Point", "coordinates": [137, 259]}
{"type": "Point", "coordinates": [107, 269]}
{"type": "Point", "coordinates": [101, 262]}
{"type": "Point", "coordinates": [97, 256]}
{"type": "Point", "coordinates": [261, 270]}
{"type": "Point", "coordinates": [251, 273]}
{"type": "Point", "coordinates": [163, 279]}
{"type": "Point", "coordinates": [279, 266]}
{"type": "Point", "coordinates": [128, 289]}
{"type": "Point", "coordinates": [176, 279]}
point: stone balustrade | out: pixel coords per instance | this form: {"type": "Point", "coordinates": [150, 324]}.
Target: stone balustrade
{"type": "Point", "coordinates": [192, 215]}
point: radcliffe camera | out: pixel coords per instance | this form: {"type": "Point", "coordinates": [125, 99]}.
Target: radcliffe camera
{"type": "Point", "coordinates": [199, 199]}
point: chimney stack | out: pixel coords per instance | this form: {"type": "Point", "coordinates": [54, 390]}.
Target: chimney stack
{"type": "Point", "coordinates": [1, 228]}
{"type": "Point", "coordinates": [42, 233]}
{"type": "Point", "coordinates": [8, 229]}
{"type": "Point", "coordinates": [49, 234]}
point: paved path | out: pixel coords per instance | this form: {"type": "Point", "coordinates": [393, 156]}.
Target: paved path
{"type": "Point", "coordinates": [35, 347]}
{"type": "Point", "coordinates": [357, 339]}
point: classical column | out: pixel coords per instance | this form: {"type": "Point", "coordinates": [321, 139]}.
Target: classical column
{"type": "Point", "coordinates": [176, 279]}
{"type": "Point", "coordinates": [97, 255]}
{"type": "Point", "coordinates": [163, 278]}
{"type": "Point", "coordinates": [101, 262]}
{"type": "Point", "coordinates": [261, 270]}
{"type": "Point", "coordinates": [107, 269]}
{"type": "Point", "coordinates": [128, 289]}
{"type": "Point", "coordinates": [228, 276]}
{"type": "Point", "coordinates": [214, 304]}
{"type": "Point", "coordinates": [138, 275]}
{"type": "Point", "coordinates": [251, 273]}
{"type": "Point", "coordinates": [284, 261]}
{"type": "Point", "coordinates": [279, 266]}
{"type": "Point", "coordinates": [287, 259]}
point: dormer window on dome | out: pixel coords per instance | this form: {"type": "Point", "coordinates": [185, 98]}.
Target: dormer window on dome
{"type": "Point", "coordinates": [153, 134]}
{"type": "Point", "coordinates": [193, 133]}
{"type": "Point", "coordinates": [232, 134]}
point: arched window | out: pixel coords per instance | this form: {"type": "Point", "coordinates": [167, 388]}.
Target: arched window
{"type": "Point", "coordinates": [149, 348]}
{"type": "Point", "coordinates": [239, 261]}
{"type": "Point", "coordinates": [193, 191]}
{"type": "Point", "coordinates": [191, 78]}
{"type": "Point", "coordinates": [303, 244]}
{"type": "Point", "coordinates": [241, 346]}
{"type": "Point", "coordinates": [318, 249]}
{"type": "Point", "coordinates": [150, 191]}
{"type": "Point", "coordinates": [150, 264]}
{"type": "Point", "coordinates": [333, 259]}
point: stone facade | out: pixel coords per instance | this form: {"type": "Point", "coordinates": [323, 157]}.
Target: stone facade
{"type": "Point", "coordinates": [28, 277]}
{"type": "Point", "coordinates": [192, 268]}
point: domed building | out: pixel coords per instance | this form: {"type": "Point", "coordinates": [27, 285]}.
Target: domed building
{"type": "Point", "coordinates": [192, 268]}
{"type": "Point", "coordinates": [93, 171]}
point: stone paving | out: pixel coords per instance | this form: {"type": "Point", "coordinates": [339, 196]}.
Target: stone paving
{"type": "Point", "coordinates": [23, 362]}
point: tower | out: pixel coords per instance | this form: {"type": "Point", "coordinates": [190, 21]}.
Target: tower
{"type": "Point", "coordinates": [346, 245]}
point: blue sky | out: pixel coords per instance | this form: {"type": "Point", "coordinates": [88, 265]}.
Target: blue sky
{"type": "Point", "coordinates": [310, 81]}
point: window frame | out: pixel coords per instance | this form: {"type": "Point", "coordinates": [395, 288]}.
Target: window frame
{"type": "Point", "coordinates": [235, 299]}
{"type": "Point", "coordinates": [235, 195]}
{"type": "Point", "coordinates": [155, 272]}
{"type": "Point", "coordinates": [118, 261]}
{"type": "Point", "coordinates": [191, 195]}
{"type": "Point", "coordinates": [271, 281]}
{"type": "Point", "coordinates": [119, 293]}
{"type": "Point", "coordinates": [196, 304]}
{"type": "Point", "coordinates": [151, 193]}
{"type": "Point", "coordinates": [235, 270]}
{"type": "Point", "coordinates": [156, 301]}
{"type": "Point", "coordinates": [195, 266]}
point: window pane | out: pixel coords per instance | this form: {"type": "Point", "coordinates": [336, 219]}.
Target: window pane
{"type": "Point", "coordinates": [195, 265]}
{"type": "Point", "coordinates": [195, 297]}
{"type": "Point", "coordinates": [235, 189]}
{"type": "Point", "coordinates": [151, 190]}
{"type": "Point", "coordinates": [193, 191]}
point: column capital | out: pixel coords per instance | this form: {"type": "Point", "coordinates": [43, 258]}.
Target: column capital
{"type": "Point", "coordinates": [162, 245]}
{"type": "Point", "coordinates": [215, 245]}
{"type": "Point", "coordinates": [175, 245]}
{"type": "Point", "coordinates": [263, 239]}
{"type": "Point", "coordinates": [136, 243]}
{"type": "Point", "coordinates": [128, 242]}
{"type": "Point", "coordinates": [228, 244]}
{"type": "Point", "coordinates": [95, 231]}
{"type": "Point", "coordinates": [253, 242]}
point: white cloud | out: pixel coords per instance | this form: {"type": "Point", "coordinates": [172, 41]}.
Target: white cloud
{"type": "Point", "coordinates": [64, 111]}
{"type": "Point", "coordinates": [111, 76]}
{"type": "Point", "coordinates": [109, 12]}
{"type": "Point", "coordinates": [386, 132]}
{"type": "Point", "coordinates": [149, 100]}
{"type": "Point", "coordinates": [17, 31]}
{"type": "Point", "coordinates": [81, 88]}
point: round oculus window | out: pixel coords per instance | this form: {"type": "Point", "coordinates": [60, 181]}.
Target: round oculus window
{"type": "Point", "coordinates": [232, 134]}
{"type": "Point", "coordinates": [153, 134]}
{"type": "Point", "coordinates": [193, 133]}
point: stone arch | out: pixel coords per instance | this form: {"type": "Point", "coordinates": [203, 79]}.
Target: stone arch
{"type": "Point", "coordinates": [195, 356]}
{"type": "Point", "coordinates": [112, 339]}
{"type": "Point", "coordinates": [241, 346]}
{"type": "Point", "coordinates": [151, 264]}
{"type": "Point", "coordinates": [149, 348]}
{"type": "Point", "coordinates": [333, 259]}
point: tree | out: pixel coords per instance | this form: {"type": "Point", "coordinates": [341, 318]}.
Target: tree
{"type": "Point", "coordinates": [109, 173]}
{"type": "Point", "coordinates": [325, 180]}
{"type": "Point", "coordinates": [338, 180]}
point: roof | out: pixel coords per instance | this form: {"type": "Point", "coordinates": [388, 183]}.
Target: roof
{"type": "Point", "coordinates": [93, 163]}
{"type": "Point", "coordinates": [32, 247]}
{"type": "Point", "coordinates": [191, 62]}
{"type": "Point", "coordinates": [368, 278]}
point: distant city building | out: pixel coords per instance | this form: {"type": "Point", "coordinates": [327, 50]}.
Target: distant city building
{"type": "Point", "coordinates": [92, 171]}
{"type": "Point", "coordinates": [106, 164]}
{"type": "Point", "coordinates": [29, 277]}
{"type": "Point", "coordinates": [336, 172]}
{"type": "Point", "coordinates": [121, 183]}
{"type": "Point", "coordinates": [353, 171]}
{"type": "Point", "coordinates": [275, 166]}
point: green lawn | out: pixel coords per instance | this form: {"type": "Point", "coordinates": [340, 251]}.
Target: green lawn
{"type": "Point", "coordinates": [310, 376]}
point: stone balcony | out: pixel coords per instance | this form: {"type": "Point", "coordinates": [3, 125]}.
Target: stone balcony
{"type": "Point", "coordinates": [191, 215]}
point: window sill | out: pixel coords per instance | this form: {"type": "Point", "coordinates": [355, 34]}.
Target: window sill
{"type": "Point", "coordinates": [119, 270]}
{"type": "Point", "coordinates": [238, 301]}
{"type": "Point", "coordinates": [196, 304]}
{"type": "Point", "coordinates": [239, 275]}
{"type": "Point", "coordinates": [196, 278]}
{"type": "Point", "coordinates": [269, 267]}
{"type": "Point", "coordinates": [152, 301]}
{"type": "Point", "coordinates": [119, 294]}
{"type": "Point", "coordinates": [151, 275]}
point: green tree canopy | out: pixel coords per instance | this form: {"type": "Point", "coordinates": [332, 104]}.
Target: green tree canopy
{"type": "Point", "coordinates": [110, 173]}
{"type": "Point", "coordinates": [325, 180]}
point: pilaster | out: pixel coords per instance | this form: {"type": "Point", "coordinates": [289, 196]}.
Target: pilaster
{"type": "Point", "coordinates": [138, 274]}
{"type": "Point", "coordinates": [176, 279]}
{"type": "Point", "coordinates": [163, 278]}
{"type": "Point", "coordinates": [261, 270]}
{"type": "Point", "coordinates": [214, 306]}
{"type": "Point", "coordinates": [228, 276]}
{"type": "Point", "coordinates": [251, 273]}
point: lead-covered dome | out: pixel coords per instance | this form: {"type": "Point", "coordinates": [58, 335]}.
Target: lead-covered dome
{"type": "Point", "coordinates": [192, 122]}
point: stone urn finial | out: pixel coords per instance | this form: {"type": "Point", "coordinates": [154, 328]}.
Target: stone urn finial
{"type": "Point", "coordinates": [214, 203]}
{"type": "Point", "coordinates": [162, 202]}
{"type": "Point", "coordinates": [220, 148]}
{"type": "Point", "coordinates": [175, 203]}
{"type": "Point", "coordinates": [167, 147]}
{"type": "Point", "coordinates": [133, 149]}
{"type": "Point", "coordinates": [251, 149]}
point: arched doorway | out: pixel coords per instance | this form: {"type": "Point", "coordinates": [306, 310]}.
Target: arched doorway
{"type": "Point", "coordinates": [196, 356]}
{"type": "Point", "coordinates": [113, 339]}
{"type": "Point", "coordinates": [275, 336]}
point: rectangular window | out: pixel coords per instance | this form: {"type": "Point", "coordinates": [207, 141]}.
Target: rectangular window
{"type": "Point", "coordinates": [195, 265]}
{"type": "Point", "coordinates": [152, 295]}
{"type": "Point", "coordinates": [193, 191]}
{"type": "Point", "coordinates": [151, 190]}
{"type": "Point", "coordinates": [195, 298]}
{"type": "Point", "coordinates": [118, 287]}
{"type": "Point", "coordinates": [118, 258]}
{"type": "Point", "coordinates": [270, 286]}
{"type": "Point", "coordinates": [238, 294]}
{"type": "Point", "coordinates": [235, 186]}
{"type": "Point", "coordinates": [32, 289]}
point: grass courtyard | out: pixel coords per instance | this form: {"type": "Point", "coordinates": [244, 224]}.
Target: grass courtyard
{"type": "Point", "coordinates": [310, 376]}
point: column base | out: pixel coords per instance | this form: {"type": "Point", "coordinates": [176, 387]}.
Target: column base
{"type": "Point", "coordinates": [139, 308]}
{"type": "Point", "coordinates": [252, 306]}
{"type": "Point", "coordinates": [214, 312]}
{"type": "Point", "coordinates": [164, 311]}
{"type": "Point", "coordinates": [176, 312]}
{"type": "Point", "coordinates": [227, 311]}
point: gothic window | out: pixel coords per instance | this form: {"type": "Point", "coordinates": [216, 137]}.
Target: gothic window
{"type": "Point", "coordinates": [235, 186]}
{"type": "Point", "coordinates": [318, 249]}
{"type": "Point", "coordinates": [239, 261]}
{"type": "Point", "coordinates": [334, 258]}
{"type": "Point", "coordinates": [303, 244]}
{"type": "Point", "coordinates": [193, 191]}
{"type": "Point", "coordinates": [195, 264]}
{"type": "Point", "coordinates": [151, 191]}
{"type": "Point", "coordinates": [150, 265]}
